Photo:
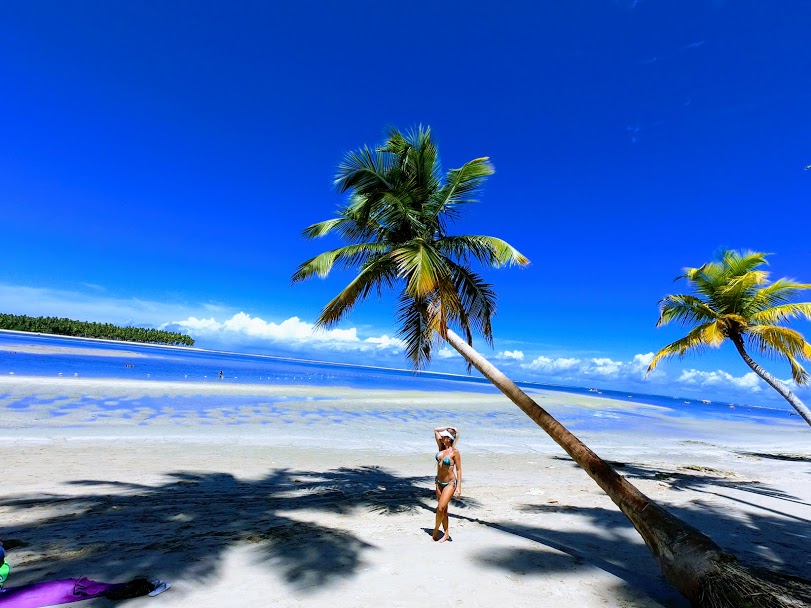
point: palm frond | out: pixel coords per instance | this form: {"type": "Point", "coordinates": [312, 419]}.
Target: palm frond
{"type": "Point", "coordinates": [322, 228]}
{"type": "Point", "coordinates": [379, 271]}
{"type": "Point", "coordinates": [713, 277]}
{"type": "Point", "coordinates": [703, 279]}
{"type": "Point", "coordinates": [713, 334]}
{"type": "Point", "coordinates": [477, 300]}
{"type": "Point", "coordinates": [798, 373]}
{"type": "Point", "coordinates": [778, 293]}
{"type": "Point", "coordinates": [414, 330]}
{"type": "Point", "coordinates": [778, 342]}
{"type": "Point", "coordinates": [362, 170]}
{"type": "Point", "coordinates": [462, 185]}
{"type": "Point", "coordinates": [684, 309]}
{"type": "Point", "coordinates": [399, 144]}
{"type": "Point", "coordinates": [736, 295]}
{"type": "Point", "coordinates": [737, 264]}
{"type": "Point", "coordinates": [422, 266]}
{"type": "Point", "coordinates": [695, 340]}
{"type": "Point", "coordinates": [779, 314]}
{"type": "Point", "coordinates": [350, 255]}
{"type": "Point", "coordinates": [400, 215]}
{"type": "Point", "coordinates": [487, 250]}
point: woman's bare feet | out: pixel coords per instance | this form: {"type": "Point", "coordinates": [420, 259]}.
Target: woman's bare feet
{"type": "Point", "coordinates": [444, 538]}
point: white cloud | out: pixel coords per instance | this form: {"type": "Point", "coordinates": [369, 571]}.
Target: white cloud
{"type": "Point", "coordinates": [292, 331]}
{"type": "Point", "coordinates": [749, 381]}
{"type": "Point", "coordinates": [386, 342]}
{"type": "Point", "coordinates": [289, 330]}
{"type": "Point", "coordinates": [546, 364]}
{"type": "Point", "coordinates": [511, 354]}
{"type": "Point", "coordinates": [446, 353]}
{"type": "Point", "coordinates": [604, 367]}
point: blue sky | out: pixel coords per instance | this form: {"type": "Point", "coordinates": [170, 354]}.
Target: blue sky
{"type": "Point", "coordinates": [159, 160]}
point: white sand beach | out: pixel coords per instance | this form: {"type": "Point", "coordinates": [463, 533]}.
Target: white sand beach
{"type": "Point", "coordinates": [319, 514]}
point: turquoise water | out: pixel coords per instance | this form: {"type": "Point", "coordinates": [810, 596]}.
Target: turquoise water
{"type": "Point", "coordinates": [101, 359]}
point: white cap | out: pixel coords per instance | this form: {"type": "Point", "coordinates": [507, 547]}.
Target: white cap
{"type": "Point", "coordinates": [448, 434]}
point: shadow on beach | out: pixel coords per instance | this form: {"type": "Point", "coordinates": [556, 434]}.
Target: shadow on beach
{"type": "Point", "coordinates": [769, 527]}
{"type": "Point", "coordinates": [182, 528]}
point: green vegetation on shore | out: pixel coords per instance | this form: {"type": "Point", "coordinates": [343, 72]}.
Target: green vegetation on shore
{"type": "Point", "coordinates": [86, 329]}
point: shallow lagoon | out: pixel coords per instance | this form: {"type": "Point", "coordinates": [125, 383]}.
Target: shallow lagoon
{"type": "Point", "coordinates": [60, 382]}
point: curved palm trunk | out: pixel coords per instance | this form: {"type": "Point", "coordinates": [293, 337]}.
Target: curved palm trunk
{"type": "Point", "coordinates": [691, 561]}
{"type": "Point", "coordinates": [781, 388]}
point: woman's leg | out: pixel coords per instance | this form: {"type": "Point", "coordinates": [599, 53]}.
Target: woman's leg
{"type": "Point", "coordinates": [438, 521]}
{"type": "Point", "coordinates": [442, 511]}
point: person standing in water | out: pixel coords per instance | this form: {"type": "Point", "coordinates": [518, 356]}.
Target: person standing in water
{"type": "Point", "coordinates": [448, 476]}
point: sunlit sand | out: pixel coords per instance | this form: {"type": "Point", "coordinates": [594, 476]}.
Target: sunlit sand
{"type": "Point", "coordinates": [307, 496]}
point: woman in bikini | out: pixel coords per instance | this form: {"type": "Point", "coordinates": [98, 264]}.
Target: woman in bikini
{"type": "Point", "coordinates": [448, 476]}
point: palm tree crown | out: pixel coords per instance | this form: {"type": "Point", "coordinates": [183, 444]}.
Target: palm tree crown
{"type": "Point", "coordinates": [396, 220]}
{"type": "Point", "coordinates": [735, 300]}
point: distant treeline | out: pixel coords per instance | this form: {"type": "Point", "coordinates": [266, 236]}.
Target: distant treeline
{"type": "Point", "coordinates": [84, 329]}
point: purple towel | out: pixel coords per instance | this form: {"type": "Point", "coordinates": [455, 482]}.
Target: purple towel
{"type": "Point", "coordinates": [51, 593]}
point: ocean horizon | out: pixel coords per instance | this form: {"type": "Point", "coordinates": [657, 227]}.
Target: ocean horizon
{"type": "Point", "coordinates": [51, 356]}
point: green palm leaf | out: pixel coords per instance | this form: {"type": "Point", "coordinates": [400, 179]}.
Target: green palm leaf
{"type": "Point", "coordinates": [776, 342]}
{"type": "Point", "coordinates": [396, 219]}
{"type": "Point", "coordinates": [487, 250]}
{"type": "Point", "coordinates": [414, 330]}
{"type": "Point", "coordinates": [778, 293]}
{"type": "Point", "coordinates": [362, 171]}
{"type": "Point", "coordinates": [422, 266]}
{"type": "Point", "coordinates": [684, 309]}
{"type": "Point", "coordinates": [477, 300]}
{"type": "Point", "coordinates": [735, 300]}
{"type": "Point", "coordinates": [695, 340]}
{"type": "Point", "coordinates": [462, 185]}
{"type": "Point", "coordinates": [781, 314]}
{"type": "Point", "coordinates": [351, 255]}
{"type": "Point", "coordinates": [374, 276]}
{"type": "Point", "coordinates": [798, 373]}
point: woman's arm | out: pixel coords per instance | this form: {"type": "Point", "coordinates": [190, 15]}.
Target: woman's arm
{"type": "Point", "coordinates": [458, 458]}
{"type": "Point", "coordinates": [436, 436]}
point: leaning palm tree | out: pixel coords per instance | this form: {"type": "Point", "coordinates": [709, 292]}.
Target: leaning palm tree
{"type": "Point", "coordinates": [736, 300]}
{"type": "Point", "coordinates": [396, 220]}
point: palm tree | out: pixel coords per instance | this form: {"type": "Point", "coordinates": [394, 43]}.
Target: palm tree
{"type": "Point", "coordinates": [396, 220]}
{"type": "Point", "coordinates": [736, 300]}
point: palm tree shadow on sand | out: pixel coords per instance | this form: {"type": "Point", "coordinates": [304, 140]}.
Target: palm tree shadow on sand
{"type": "Point", "coordinates": [767, 534]}
{"type": "Point", "coordinates": [767, 537]}
{"type": "Point", "coordinates": [182, 528]}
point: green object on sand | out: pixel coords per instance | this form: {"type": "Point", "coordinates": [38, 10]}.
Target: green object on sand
{"type": "Point", "coordinates": [4, 570]}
